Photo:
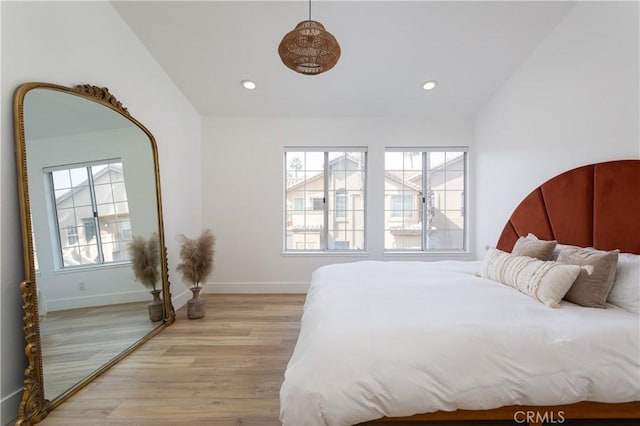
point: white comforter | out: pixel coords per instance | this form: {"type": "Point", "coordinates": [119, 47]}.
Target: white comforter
{"type": "Point", "coordinates": [400, 338]}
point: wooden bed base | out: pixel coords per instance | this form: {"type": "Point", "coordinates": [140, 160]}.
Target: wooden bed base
{"type": "Point", "coordinates": [533, 415]}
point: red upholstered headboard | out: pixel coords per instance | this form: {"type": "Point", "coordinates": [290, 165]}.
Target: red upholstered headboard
{"type": "Point", "coordinates": [592, 206]}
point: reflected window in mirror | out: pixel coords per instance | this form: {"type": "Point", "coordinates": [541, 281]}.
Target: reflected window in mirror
{"type": "Point", "coordinates": [91, 213]}
{"type": "Point", "coordinates": [35, 254]}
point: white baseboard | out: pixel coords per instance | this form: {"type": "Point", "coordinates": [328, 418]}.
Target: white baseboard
{"type": "Point", "coordinates": [256, 287]}
{"type": "Point", "coordinates": [9, 407]}
{"type": "Point", "coordinates": [179, 300]}
{"type": "Point", "coordinates": [97, 300]}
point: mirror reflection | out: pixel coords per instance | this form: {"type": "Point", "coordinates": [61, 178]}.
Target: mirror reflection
{"type": "Point", "coordinates": [92, 191]}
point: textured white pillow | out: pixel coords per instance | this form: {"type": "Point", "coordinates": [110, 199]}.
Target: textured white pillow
{"type": "Point", "coordinates": [546, 282]}
{"type": "Point", "coordinates": [625, 293]}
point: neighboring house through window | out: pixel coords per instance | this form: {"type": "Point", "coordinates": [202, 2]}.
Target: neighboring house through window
{"type": "Point", "coordinates": [92, 213]}
{"type": "Point", "coordinates": [425, 199]}
{"type": "Point", "coordinates": [325, 199]}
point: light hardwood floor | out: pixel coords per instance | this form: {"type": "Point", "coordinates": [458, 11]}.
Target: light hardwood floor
{"type": "Point", "coordinates": [77, 342]}
{"type": "Point", "coordinates": [224, 369]}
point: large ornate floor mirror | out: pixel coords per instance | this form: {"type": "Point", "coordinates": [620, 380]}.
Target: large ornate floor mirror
{"type": "Point", "coordinates": [96, 282]}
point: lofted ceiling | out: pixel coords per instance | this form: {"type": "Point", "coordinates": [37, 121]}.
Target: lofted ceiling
{"type": "Point", "coordinates": [389, 48]}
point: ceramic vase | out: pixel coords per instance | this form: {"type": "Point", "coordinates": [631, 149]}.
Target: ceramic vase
{"type": "Point", "coordinates": [195, 305]}
{"type": "Point", "coordinates": [156, 307]}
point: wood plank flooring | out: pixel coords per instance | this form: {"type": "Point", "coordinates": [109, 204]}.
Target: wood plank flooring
{"type": "Point", "coordinates": [223, 369]}
{"type": "Point", "coordinates": [76, 342]}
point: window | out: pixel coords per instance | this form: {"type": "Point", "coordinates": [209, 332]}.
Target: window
{"type": "Point", "coordinates": [341, 204]}
{"type": "Point", "coordinates": [317, 203]}
{"type": "Point", "coordinates": [92, 213]}
{"type": "Point", "coordinates": [425, 199]}
{"type": "Point", "coordinates": [332, 183]}
{"type": "Point", "coordinates": [36, 265]}
{"type": "Point", "coordinates": [402, 205]}
{"type": "Point", "coordinates": [89, 226]}
{"type": "Point", "coordinates": [72, 235]}
{"type": "Point", "coordinates": [298, 204]}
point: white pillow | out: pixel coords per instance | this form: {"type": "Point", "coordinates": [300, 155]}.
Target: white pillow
{"type": "Point", "coordinates": [625, 293]}
{"type": "Point", "coordinates": [546, 282]}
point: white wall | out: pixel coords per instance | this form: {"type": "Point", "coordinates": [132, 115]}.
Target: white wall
{"type": "Point", "coordinates": [72, 43]}
{"type": "Point", "coordinates": [242, 190]}
{"type": "Point", "coordinates": [573, 102]}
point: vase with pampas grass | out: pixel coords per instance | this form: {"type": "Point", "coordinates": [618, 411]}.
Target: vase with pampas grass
{"type": "Point", "coordinates": [196, 265]}
{"type": "Point", "coordinates": [145, 261]}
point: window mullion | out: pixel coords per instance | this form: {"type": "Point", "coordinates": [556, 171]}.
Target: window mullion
{"type": "Point", "coordinates": [464, 203]}
{"type": "Point", "coordinates": [425, 198]}
{"type": "Point", "coordinates": [96, 221]}
{"type": "Point", "coordinates": [326, 202]}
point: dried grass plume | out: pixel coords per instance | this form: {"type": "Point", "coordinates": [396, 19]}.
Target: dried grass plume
{"type": "Point", "coordinates": [197, 257]}
{"type": "Point", "coordinates": [145, 259]}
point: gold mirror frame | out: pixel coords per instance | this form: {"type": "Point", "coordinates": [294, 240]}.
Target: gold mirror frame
{"type": "Point", "coordinates": [34, 407]}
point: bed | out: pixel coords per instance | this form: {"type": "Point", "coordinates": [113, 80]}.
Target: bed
{"type": "Point", "coordinates": [443, 341]}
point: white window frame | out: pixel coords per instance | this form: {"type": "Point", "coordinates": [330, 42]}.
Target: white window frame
{"type": "Point", "coordinates": [95, 220]}
{"type": "Point", "coordinates": [424, 210]}
{"type": "Point", "coordinates": [325, 229]}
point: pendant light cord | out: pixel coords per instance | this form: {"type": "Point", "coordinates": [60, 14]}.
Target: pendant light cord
{"type": "Point", "coordinates": [309, 9]}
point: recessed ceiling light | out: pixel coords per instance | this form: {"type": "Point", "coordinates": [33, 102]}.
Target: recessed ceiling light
{"type": "Point", "coordinates": [248, 84]}
{"type": "Point", "coordinates": [429, 85]}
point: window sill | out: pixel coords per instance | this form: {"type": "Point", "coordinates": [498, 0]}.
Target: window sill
{"type": "Point", "coordinates": [443, 255]}
{"type": "Point", "coordinates": [90, 268]}
{"type": "Point", "coordinates": [325, 253]}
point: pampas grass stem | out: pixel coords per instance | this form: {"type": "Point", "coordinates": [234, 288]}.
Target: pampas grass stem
{"type": "Point", "coordinates": [145, 259]}
{"type": "Point", "coordinates": [196, 257]}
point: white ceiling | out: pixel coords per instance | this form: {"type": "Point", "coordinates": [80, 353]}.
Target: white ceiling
{"type": "Point", "coordinates": [50, 113]}
{"type": "Point", "coordinates": [388, 49]}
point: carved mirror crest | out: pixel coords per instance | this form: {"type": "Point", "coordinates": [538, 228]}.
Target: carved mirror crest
{"type": "Point", "coordinates": [89, 188]}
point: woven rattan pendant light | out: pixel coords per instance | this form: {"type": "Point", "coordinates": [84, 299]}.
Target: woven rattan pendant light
{"type": "Point", "coordinates": [309, 49]}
